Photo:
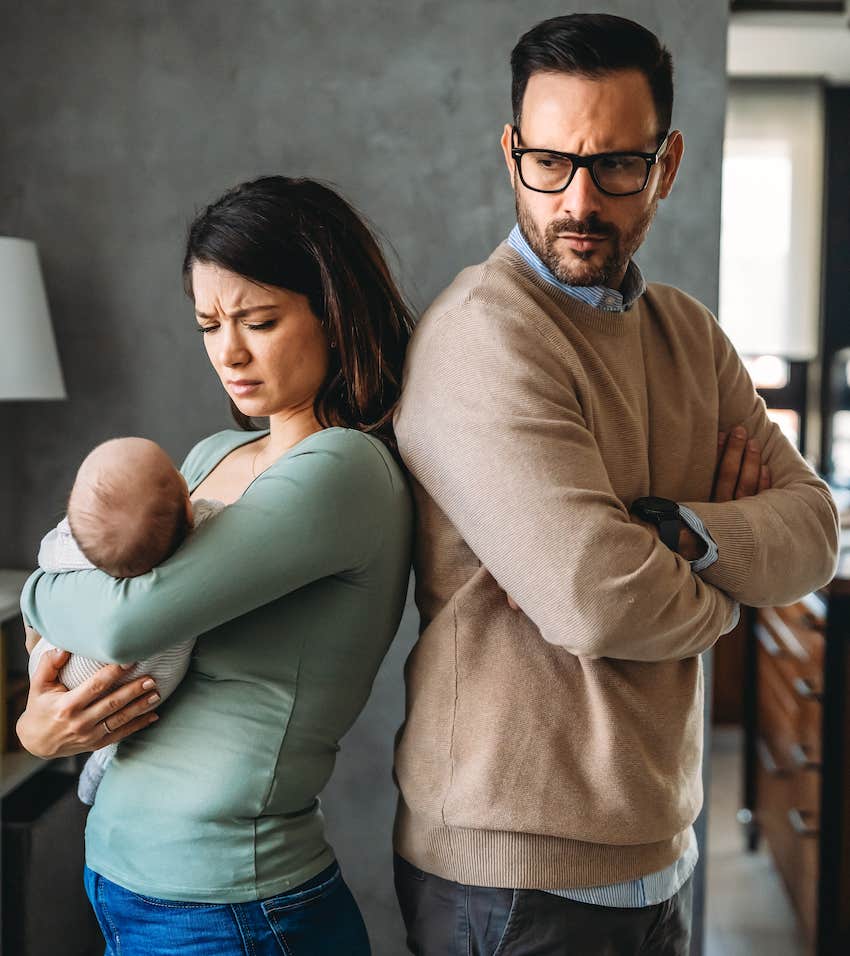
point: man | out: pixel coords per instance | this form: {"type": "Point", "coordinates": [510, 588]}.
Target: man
{"type": "Point", "coordinates": [549, 764]}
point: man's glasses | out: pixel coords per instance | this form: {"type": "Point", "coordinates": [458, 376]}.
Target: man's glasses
{"type": "Point", "coordinates": [615, 174]}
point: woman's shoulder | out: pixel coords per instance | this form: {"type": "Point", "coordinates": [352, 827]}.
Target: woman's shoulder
{"type": "Point", "coordinates": [351, 453]}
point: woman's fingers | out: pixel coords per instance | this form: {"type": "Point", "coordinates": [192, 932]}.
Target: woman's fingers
{"type": "Point", "coordinates": [124, 703]}
{"type": "Point", "coordinates": [47, 671]}
{"type": "Point", "coordinates": [764, 478]}
{"type": "Point", "coordinates": [138, 724]}
{"type": "Point", "coordinates": [748, 480]}
{"type": "Point", "coordinates": [729, 465]}
{"type": "Point", "coordinates": [95, 687]}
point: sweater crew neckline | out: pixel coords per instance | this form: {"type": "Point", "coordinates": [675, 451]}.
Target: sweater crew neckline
{"type": "Point", "coordinates": [601, 320]}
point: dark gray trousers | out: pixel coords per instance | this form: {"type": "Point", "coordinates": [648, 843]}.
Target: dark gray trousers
{"type": "Point", "coordinates": [451, 919]}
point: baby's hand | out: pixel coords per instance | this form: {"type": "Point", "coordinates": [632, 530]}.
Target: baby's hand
{"type": "Point", "coordinates": [33, 637]}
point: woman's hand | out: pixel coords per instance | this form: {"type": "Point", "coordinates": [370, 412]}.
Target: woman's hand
{"type": "Point", "coordinates": [59, 722]}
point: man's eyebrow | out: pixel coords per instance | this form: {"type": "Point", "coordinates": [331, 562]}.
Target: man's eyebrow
{"type": "Point", "coordinates": [239, 313]}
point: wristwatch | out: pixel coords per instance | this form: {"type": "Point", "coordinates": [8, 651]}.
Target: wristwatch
{"type": "Point", "coordinates": [664, 514]}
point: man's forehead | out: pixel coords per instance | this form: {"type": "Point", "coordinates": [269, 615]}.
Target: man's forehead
{"type": "Point", "coordinates": [612, 111]}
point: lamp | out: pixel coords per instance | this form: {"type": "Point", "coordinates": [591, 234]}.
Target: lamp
{"type": "Point", "coordinates": [29, 362]}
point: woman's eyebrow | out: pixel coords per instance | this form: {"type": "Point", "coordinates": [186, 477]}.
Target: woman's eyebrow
{"type": "Point", "coordinates": [239, 313]}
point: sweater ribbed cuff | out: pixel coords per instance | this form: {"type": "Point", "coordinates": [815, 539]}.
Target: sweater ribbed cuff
{"type": "Point", "coordinates": [735, 545]}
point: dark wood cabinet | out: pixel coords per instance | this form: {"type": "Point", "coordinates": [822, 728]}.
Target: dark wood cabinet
{"type": "Point", "coordinates": [797, 754]}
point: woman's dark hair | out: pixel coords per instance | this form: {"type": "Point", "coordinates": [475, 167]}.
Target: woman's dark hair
{"type": "Point", "coordinates": [300, 235]}
{"type": "Point", "coordinates": [593, 45]}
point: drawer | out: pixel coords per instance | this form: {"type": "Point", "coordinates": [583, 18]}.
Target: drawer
{"type": "Point", "coordinates": [788, 799]}
{"type": "Point", "coordinates": [788, 691]}
{"type": "Point", "coordinates": [804, 883]}
{"type": "Point", "coordinates": [809, 613]}
{"type": "Point", "coordinates": [778, 713]}
{"type": "Point", "coordinates": [798, 651]}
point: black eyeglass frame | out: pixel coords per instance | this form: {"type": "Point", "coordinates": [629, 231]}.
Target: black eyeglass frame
{"type": "Point", "coordinates": [586, 162]}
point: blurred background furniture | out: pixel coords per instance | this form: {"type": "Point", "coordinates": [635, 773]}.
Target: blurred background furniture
{"type": "Point", "coordinates": [797, 754]}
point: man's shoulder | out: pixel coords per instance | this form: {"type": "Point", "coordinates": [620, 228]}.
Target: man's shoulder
{"type": "Point", "coordinates": [489, 289]}
{"type": "Point", "coordinates": [670, 300]}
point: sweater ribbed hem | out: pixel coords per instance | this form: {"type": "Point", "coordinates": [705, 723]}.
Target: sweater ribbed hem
{"type": "Point", "coordinates": [525, 860]}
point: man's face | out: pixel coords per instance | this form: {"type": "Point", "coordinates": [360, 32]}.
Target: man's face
{"type": "Point", "coordinates": [584, 236]}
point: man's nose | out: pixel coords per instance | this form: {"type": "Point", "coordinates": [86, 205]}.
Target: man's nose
{"type": "Point", "coordinates": [581, 198]}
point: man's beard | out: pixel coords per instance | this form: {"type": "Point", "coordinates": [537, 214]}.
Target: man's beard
{"type": "Point", "coordinates": [579, 271]}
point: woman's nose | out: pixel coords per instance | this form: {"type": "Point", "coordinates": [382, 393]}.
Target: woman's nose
{"type": "Point", "coordinates": [232, 349]}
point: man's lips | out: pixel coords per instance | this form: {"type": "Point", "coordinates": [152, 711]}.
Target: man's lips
{"type": "Point", "coordinates": [582, 241]}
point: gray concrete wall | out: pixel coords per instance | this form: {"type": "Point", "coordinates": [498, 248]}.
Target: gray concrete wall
{"type": "Point", "coordinates": [120, 119]}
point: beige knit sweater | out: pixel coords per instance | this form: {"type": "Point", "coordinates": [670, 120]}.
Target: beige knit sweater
{"type": "Point", "coordinates": [561, 745]}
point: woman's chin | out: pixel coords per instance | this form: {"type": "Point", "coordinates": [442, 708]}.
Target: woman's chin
{"type": "Point", "coordinates": [251, 408]}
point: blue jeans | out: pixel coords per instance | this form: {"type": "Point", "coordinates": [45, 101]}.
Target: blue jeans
{"type": "Point", "coordinates": [318, 918]}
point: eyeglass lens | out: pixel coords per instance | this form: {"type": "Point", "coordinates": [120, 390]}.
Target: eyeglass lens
{"type": "Point", "coordinates": [615, 174]}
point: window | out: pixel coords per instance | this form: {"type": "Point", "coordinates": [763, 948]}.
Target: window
{"type": "Point", "coordinates": [770, 241]}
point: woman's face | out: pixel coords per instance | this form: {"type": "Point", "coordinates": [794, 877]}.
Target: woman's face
{"type": "Point", "coordinates": [266, 344]}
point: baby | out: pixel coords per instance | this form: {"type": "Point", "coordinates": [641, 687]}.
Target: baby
{"type": "Point", "coordinates": [128, 511]}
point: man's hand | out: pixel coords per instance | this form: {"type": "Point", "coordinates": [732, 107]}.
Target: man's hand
{"type": "Point", "coordinates": [739, 472]}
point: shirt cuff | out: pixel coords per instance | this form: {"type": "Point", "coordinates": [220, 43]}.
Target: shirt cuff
{"type": "Point", "coordinates": [694, 522]}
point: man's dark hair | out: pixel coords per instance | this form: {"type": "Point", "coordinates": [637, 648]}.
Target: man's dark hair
{"type": "Point", "coordinates": [593, 45]}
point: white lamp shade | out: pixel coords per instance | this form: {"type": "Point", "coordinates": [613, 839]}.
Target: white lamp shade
{"type": "Point", "coordinates": [29, 363]}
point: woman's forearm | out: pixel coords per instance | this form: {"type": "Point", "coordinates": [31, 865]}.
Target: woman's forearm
{"type": "Point", "coordinates": [311, 516]}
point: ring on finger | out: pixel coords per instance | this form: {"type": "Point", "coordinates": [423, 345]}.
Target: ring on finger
{"type": "Point", "coordinates": [107, 729]}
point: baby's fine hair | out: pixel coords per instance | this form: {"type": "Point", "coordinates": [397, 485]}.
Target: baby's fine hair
{"type": "Point", "coordinates": [128, 524]}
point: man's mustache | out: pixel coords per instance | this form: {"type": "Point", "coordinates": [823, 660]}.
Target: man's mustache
{"type": "Point", "coordinates": [580, 227]}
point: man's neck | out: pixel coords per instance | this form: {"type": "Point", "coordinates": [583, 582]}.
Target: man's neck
{"type": "Point", "coordinates": [609, 298]}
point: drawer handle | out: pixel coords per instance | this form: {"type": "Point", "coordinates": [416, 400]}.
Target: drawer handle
{"type": "Point", "coordinates": [815, 607]}
{"type": "Point", "coordinates": [805, 690]}
{"type": "Point", "coordinates": [798, 823]}
{"type": "Point", "coordinates": [800, 755]}
{"type": "Point", "coordinates": [766, 759]}
{"type": "Point", "coordinates": [766, 640]}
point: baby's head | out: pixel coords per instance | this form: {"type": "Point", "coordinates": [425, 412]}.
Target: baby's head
{"type": "Point", "coordinates": [129, 508]}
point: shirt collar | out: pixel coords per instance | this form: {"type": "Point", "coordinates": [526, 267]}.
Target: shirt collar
{"type": "Point", "coordinates": [598, 296]}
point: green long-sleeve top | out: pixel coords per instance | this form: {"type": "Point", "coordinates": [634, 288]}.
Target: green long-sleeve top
{"type": "Point", "coordinates": [294, 592]}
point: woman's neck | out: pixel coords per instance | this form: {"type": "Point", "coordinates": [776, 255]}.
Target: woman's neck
{"type": "Point", "coordinates": [286, 429]}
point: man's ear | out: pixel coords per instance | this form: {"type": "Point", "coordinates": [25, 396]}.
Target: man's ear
{"type": "Point", "coordinates": [670, 162]}
{"type": "Point", "coordinates": [507, 143]}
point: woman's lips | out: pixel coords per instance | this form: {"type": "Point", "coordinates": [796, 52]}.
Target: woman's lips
{"type": "Point", "coordinates": [244, 388]}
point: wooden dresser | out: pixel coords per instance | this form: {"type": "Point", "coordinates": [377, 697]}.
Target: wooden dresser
{"type": "Point", "coordinates": [797, 754]}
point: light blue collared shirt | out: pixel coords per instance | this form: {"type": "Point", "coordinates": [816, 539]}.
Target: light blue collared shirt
{"type": "Point", "coordinates": [654, 887]}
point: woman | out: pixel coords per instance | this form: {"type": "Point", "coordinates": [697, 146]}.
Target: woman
{"type": "Point", "coordinates": [206, 836]}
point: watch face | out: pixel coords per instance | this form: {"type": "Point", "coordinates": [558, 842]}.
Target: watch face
{"type": "Point", "coordinates": [659, 508]}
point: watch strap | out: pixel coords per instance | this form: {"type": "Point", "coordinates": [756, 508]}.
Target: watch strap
{"type": "Point", "coordinates": [668, 530]}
